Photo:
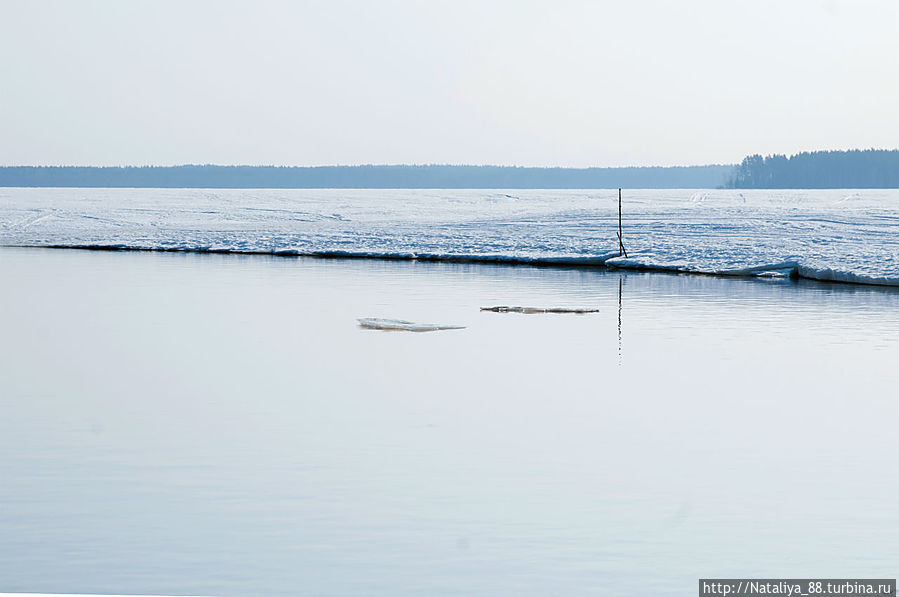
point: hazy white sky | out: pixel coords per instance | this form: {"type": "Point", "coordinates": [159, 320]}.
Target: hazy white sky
{"type": "Point", "coordinates": [572, 83]}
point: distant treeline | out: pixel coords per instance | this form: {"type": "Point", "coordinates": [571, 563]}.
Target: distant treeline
{"type": "Point", "coordinates": [870, 168]}
{"type": "Point", "coordinates": [378, 177]}
{"type": "Point", "coordinates": [854, 169]}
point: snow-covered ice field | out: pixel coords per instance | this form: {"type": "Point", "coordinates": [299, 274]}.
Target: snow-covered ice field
{"type": "Point", "coordinates": [842, 235]}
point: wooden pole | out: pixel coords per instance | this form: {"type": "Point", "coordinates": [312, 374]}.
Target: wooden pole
{"type": "Point", "coordinates": [621, 249]}
{"type": "Point", "coordinates": [620, 244]}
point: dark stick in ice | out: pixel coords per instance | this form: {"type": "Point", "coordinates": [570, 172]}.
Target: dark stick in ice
{"type": "Point", "coordinates": [621, 248]}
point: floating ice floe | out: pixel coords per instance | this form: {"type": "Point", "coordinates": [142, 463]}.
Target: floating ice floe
{"type": "Point", "coordinates": [529, 310]}
{"type": "Point", "coordinates": [399, 325]}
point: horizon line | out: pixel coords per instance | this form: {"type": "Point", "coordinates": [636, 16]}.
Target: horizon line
{"type": "Point", "coordinates": [445, 164]}
{"type": "Point", "coordinates": [366, 165]}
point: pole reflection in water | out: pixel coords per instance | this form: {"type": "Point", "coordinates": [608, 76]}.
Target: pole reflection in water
{"type": "Point", "coordinates": [620, 285]}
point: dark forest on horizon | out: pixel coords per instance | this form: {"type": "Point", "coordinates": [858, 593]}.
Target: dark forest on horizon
{"type": "Point", "coordinates": [853, 169]}
{"type": "Point", "coordinates": [870, 168]}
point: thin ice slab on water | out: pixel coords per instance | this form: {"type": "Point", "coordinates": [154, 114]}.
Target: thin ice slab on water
{"type": "Point", "coordinates": [505, 309]}
{"type": "Point", "coordinates": [399, 325]}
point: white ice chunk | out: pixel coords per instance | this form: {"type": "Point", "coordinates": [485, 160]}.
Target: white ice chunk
{"type": "Point", "coordinates": [400, 325]}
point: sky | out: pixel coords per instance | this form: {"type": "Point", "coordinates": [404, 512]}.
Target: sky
{"type": "Point", "coordinates": [550, 83]}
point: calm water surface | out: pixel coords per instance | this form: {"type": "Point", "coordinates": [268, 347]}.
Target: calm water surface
{"type": "Point", "coordinates": [219, 425]}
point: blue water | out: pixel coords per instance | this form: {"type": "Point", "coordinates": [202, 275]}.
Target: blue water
{"type": "Point", "coordinates": [220, 425]}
